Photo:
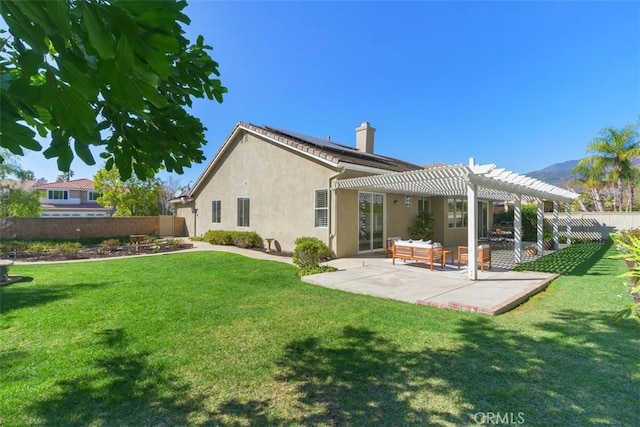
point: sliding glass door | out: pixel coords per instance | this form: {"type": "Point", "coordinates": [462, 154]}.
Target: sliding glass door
{"type": "Point", "coordinates": [370, 222]}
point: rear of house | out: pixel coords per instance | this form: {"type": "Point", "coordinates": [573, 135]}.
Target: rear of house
{"type": "Point", "coordinates": [281, 184]}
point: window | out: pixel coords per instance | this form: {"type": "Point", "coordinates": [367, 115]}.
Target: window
{"type": "Point", "coordinates": [322, 208]}
{"type": "Point", "coordinates": [423, 204]}
{"type": "Point", "coordinates": [407, 201]}
{"type": "Point", "coordinates": [457, 213]}
{"type": "Point", "coordinates": [58, 195]}
{"type": "Point", "coordinates": [215, 211]}
{"type": "Point", "coordinates": [243, 212]}
{"type": "Point", "coordinates": [93, 195]}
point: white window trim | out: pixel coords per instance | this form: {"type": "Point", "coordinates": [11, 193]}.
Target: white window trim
{"type": "Point", "coordinates": [456, 214]}
{"type": "Point", "coordinates": [65, 194]}
{"type": "Point", "coordinates": [317, 209]}
{"type": "Point", "coordinates": [248, 218]}
{"type": "Point", "coordinates": [219, 211]}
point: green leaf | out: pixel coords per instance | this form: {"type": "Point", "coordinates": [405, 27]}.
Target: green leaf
{"type": "Point", "coordinates": [34, 10]}
{"type": "Point", "coordinates": [58, 12]}
{"type": "Point", "coordinates": [82, 150]}
{"type": "Point", "coordinates": [77, 79]}
{"type": "Point", "coordinates": [100, 40]}
{"type": "Point", "coordinates": [125, 56]}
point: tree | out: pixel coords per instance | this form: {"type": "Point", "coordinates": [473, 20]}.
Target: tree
{"type": "Point", "coordinates": [106, 73]}
{"type": "Point", "coordinates": [15, 201]}
{"type": "Point", "coordinates": [18, 203]}
{"type": "Point", "coordinates": [65, 176]}
{"type": "Point", "coordinates": [168, 191]}
{"type": "Point", "coordinates": [614, 151]}
{"type": "Point", "coordinates": [133, 197]}
{"type": "Point", "coordinates": [591, 177]}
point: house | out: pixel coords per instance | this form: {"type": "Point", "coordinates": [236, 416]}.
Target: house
{"type": "Point", "coordinates": [285, 185]}
{"type": "Point", "coordinates": [74, 198]}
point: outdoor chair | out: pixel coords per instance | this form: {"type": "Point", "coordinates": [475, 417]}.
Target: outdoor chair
{"type": "Point", "coordinates": [484, 256]}
{"type": "Point", "coordinates": [390, 241]}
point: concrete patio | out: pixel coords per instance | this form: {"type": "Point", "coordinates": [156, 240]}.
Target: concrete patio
{"type": "Point", "coordinates": [496, 291]}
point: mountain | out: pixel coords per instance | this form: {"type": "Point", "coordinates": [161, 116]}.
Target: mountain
{"type": "Point", "coordinates": [557, 174]}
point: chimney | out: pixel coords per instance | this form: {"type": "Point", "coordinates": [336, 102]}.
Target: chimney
{"type": "Point", "coordinates": [364, 137]}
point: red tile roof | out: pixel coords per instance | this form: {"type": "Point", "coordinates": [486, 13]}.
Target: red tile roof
{"type": "Point", "coordinates": [74, 184]}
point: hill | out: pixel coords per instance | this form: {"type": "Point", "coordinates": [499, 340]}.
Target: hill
{"type": "Point", "coordinates": [557, 174]}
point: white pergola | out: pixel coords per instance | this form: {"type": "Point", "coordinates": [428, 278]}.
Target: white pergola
{"type": "Point", "coordinates": [475, 182]}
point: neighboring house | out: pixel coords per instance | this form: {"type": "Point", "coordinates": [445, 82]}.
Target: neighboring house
{"type": "Point", "coordinates": [74, 198]}
{"type": "Point", "coordinates": [285, 185]}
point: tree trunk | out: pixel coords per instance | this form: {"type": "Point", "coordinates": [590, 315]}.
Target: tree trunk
{"type": "Point", "coordinates": [596, 200]}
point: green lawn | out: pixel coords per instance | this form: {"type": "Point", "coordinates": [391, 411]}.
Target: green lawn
{"type": "Point", "coordinates": [210, 338]}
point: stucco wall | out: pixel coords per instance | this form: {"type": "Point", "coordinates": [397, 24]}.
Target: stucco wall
{"type": "Point", "coordinates": [281, 186]}
{"type": "Point", "coordinates": [596, 225]}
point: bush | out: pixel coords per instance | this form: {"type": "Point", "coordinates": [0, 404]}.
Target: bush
{"type": "Point", "coordinates": [315, 270]}
{"type": "Point", "coordinates": [309, 251]}
{"type": "Point", "coordinates": [247, 239]}
{"type": "Point", "coordinates": [242, 239]}
{"type": "Point", "coordinates": [110, 245]}
{"type": "Point", "coordinates": [630, 250]}
{"type": "Point", "coordinates": [422, 227]}
{"type": "Point", "coordinates": [36, 248]}
{"type": "Point", "coordinates": [218, 237]}
{"type": "Point", "coordinates": [67, 250]}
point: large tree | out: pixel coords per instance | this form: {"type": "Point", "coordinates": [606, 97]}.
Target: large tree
{"type": "Point", "coordinates": [613, 153]}
{"type": "Point", "coordinates": [107, 73]}
{"type": "Point", "coordinates": [132, 197]}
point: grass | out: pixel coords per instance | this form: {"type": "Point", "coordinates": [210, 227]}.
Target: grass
{"type": "Point", "coordinates": [210, 338]}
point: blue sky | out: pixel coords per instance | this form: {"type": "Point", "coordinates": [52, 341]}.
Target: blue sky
{"type": "Point", "coordinates": [520, 84]}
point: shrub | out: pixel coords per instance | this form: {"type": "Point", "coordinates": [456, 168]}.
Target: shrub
{"type": "Point", "coordinates": [218, 237]}
{"type": "Point", "coordinates": [422, 227]}
{"type": "Point", "coordinates": [110, 245]}
{"type": "Point", "coordinates": [242, 239]}
{"type": "Point", "coordinates": [247, 239]}
{"type": "Point", "coordinates": [67, 250]}
{"type": "Point", "coordinates": [36, 248]}
{"type": "Point", "coordinates": [309, 251]}
{"type": "Point", "coordinates": [315, 270]}
{"type": "Point", "coordinates": [630, 248]}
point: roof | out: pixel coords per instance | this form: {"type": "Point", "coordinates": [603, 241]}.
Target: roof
{"type": "Point", "coordinates": [331, 153]}
{"type": "Point", "coordinates": [493, 183]}
{"type": "Point", "coordinates": [74, 184]}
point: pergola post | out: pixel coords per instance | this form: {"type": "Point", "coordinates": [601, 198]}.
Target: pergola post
{"type": "Point", "coordinates": [568, 223]}
{"type": "Point", "coordinates": [555, 225]}
{"type": "Point", "coordinates": [472, 230]}
{"type": "Point", "coordinates": [539, 225]}
{"type": "Point", "coordinates": [517, 228]}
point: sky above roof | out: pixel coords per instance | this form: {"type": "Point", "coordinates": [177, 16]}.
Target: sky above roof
{"type": "Point", "coordinates": [520, 84]}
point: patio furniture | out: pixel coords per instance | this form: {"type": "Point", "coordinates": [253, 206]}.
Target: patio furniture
{"type": "Point", "coordinates": [484, 255]}
{"type": "Point", "coordinates": [418, 251]}
{"type": "Point", "coordinates": [390, 242]}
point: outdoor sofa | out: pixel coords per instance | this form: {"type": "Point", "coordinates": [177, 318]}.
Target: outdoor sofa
{"type": "Point", "coordinates": [418, 251]}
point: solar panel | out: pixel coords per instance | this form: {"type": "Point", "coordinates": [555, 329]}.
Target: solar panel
{"type": "Point", "coordinates": [329, 145]}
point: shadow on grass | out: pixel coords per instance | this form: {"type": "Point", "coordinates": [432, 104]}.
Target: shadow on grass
{"type": "Point", "coordinates": [559, 373]}
{"type": "Point", "coordinates": [574, 260]}
{"type": "Point", "coordinates": [122, 388]}
{"type": "Point", "coordinates": [15, 297]}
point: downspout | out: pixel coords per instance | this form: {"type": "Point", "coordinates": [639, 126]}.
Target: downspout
{"type": "Point", "coordinates": [332, 195]}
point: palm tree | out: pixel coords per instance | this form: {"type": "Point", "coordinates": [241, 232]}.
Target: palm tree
{"type": "Point", "coordinates": [590, 177]}
{"type": "Point", "coordinates": [614, 151]}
